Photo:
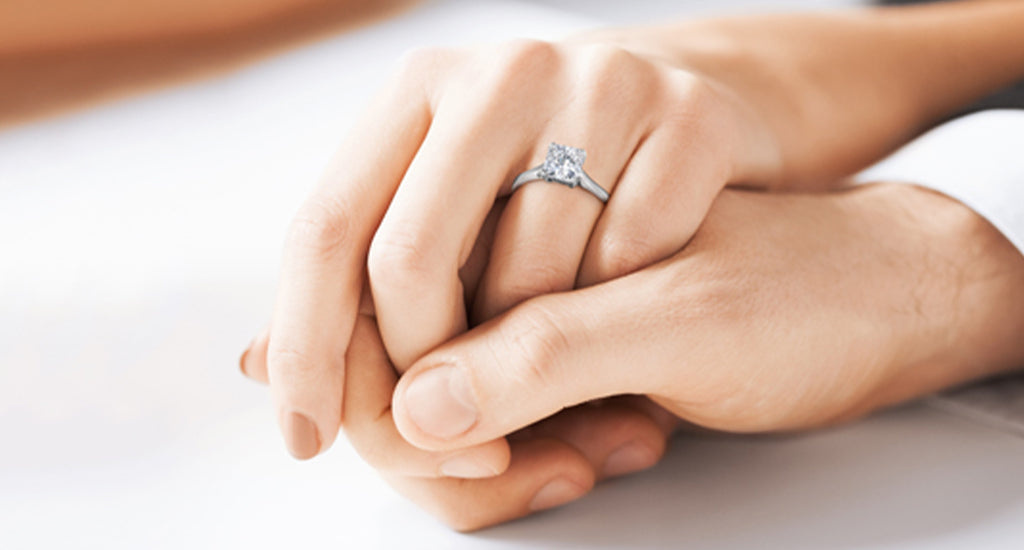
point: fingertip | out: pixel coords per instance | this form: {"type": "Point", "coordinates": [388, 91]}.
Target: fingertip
{"type": "Point", "coordinates": [241, 361]}
{"type": "Point", "coordinates": [253, 362]}
{"type": "Point", "coordinates": [308, 397]}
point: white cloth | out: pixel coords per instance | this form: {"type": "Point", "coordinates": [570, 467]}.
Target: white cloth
{"type": "Point", "coordinates": [977, 159]}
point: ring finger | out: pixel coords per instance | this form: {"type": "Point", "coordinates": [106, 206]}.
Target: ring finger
{"type": "Point", "coordinates": [543, 233]}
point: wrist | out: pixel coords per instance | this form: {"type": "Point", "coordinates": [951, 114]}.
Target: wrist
{"type": "Point", "coordinates": [965, 288]}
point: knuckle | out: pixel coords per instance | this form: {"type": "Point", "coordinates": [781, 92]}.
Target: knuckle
{"type": "Point", "coordinates": [420, 62]}
{"type": "Point", "coordinates": [422, 70]}
{"type": "Point", "coordinates": [605, 61]}
{"type": "Point", "coordinates": [612, 73]}
{"type": "Point", "coordinates": [517, 64]}
{"type": "Point", "coordinates": [398, 258]}
{"type": "Point", "coordinates": [322, 226]}
{"type": "Point", "coordinates": [290, 362]}
{"type": "Point", "coordinates": [697, 103]}
{"type": "Point", "coordinates": [698, 89]}
{"type": "Point", "coordinates": [526, 55]}
{"type": "Point", "coordinates": [538, 341]}
{"type": "Point", "coordinates": [622, 255]}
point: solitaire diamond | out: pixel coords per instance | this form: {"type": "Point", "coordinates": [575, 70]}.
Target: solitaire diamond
{"type": "Point", "coordinates": [563, 164]}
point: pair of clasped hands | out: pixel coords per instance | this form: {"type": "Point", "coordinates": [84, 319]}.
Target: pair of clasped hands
{"type": "Point", "coordinates": [495, 354]}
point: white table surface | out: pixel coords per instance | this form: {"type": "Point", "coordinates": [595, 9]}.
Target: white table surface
{"type": "Point", "coordinates": [139, 246]}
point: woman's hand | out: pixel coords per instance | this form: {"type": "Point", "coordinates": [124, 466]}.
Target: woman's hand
{"type": "Point", "coordinates": [544, 465]}
{"type": "Point", "coordinates": [412, 188]}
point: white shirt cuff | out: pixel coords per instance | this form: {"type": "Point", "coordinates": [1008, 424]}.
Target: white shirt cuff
{"type": "Point", "coordinates": [977, 159]}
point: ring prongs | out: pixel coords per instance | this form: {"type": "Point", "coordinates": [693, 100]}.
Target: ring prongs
{"type": "Point", "coordinates": [563, 164]}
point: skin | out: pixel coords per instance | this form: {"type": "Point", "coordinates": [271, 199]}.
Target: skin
{"type": "Point", "coordinates": [395, 257]}
{"type": "Point", "coordinates": [901, 291]}
{"type": "Point", "coordinates": [412, 236]}
{"type": "Point", "coordinates": [669, 117]}
{"type": "Point", "coordinates": [785, 312]}
{"type": "Point", "coordinates": [798, 311]}
{"type": "Point", "coordinates": [29, 27]}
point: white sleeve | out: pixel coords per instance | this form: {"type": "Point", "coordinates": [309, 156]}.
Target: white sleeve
{"type": "Point", "coordinates": [977, 159]}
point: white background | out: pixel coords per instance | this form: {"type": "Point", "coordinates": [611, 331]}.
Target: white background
{"type": "Point", "coordinates": [139, 244]}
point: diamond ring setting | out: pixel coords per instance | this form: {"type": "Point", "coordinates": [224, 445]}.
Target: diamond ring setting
{"type": "Point", "coordinates": [564, 165]}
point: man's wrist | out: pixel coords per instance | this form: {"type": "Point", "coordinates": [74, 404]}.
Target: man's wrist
{"type": "Point", "coordinates": [969, 294]}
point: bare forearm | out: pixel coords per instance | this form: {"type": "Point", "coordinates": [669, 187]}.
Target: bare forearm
{"type": "Point", "coordinates": [842, 89]}
{"type": "Point", "coordinates": [30, 26]}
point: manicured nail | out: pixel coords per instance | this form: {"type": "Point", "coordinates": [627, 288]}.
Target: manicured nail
{"type": "Point", "coordinates": [301, 436]}
{"type": "Point", "coordinates": [440, 402]}
{"type": "Point", "coordinates": [631, 457]}
{"type": "Point", "coordinates": [556, 493]}
{"type": "Point", "coordinates": [466, 468]}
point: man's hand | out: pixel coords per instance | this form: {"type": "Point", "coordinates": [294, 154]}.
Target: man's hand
{"type": "Point", "coordinates": [786, 311]}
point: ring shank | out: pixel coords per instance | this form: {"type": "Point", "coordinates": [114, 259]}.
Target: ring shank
{"type": "Point", "coordinates": [593, 188]}
{"type": "Point", "coordinates": [586, 183]}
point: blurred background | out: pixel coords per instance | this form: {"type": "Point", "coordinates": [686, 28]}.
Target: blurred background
{"type": "Point", "coordinates": [60, 54]}
{"type": "Point", "coordinates": [150, 159]}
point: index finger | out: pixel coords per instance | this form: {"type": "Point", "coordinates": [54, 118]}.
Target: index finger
{"type": "Point", "coordinates": [324, 263]}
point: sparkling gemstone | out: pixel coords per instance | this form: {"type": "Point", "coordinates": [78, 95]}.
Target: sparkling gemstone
{"type": "Point", "coordinates": [564, 163]}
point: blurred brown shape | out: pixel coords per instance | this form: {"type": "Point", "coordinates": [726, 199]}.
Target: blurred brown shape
{"type": "Point", "coordinates": [44, 83]}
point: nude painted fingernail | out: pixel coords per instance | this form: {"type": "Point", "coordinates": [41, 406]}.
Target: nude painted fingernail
{"type": "Point", "coordinates": [440, 402]}
{"type": "Point", "coordinates": [301, 435]}
{"type": "Point", "coordinates": [466, 468]}
{"type": "Point", "coordinates": [629, 458]}
{"type": "Point", "coordinates": [556, 493]}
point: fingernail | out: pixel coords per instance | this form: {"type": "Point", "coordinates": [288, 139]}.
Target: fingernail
{"type": "Point", "coordinates": [467, 468]}
{"type": "Point", "coordinates": [440, 402]}
{"type": "Point", "coordinates": [631, 457]}
{"type": "Point", "coordinates": [301, 436]}
{"type": "Point", "coordinates": [241, 361]}
{"type": "Point", "coordinates": [556, 493]}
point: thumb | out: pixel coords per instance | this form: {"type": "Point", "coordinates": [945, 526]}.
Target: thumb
{"type": "Point", "coordinates": [548, 353]}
